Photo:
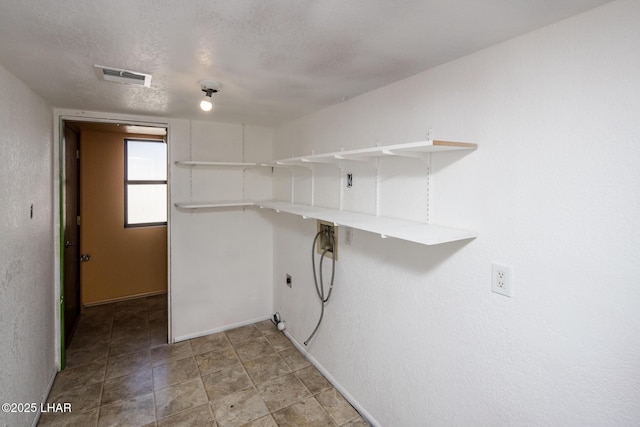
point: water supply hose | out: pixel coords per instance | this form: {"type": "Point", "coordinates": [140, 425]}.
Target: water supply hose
{"type": "Point", "coordinates": [320, 287]}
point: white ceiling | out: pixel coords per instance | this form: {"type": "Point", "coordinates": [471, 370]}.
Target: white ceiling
{"type": "Point", "coordinates": [277, 59]}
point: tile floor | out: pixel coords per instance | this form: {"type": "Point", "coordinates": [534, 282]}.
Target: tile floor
{"type": "Point", "coordinates": [121, 372]}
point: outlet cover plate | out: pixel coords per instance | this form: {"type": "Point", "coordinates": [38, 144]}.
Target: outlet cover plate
{"type": "Point", "coordinates": [501, 279]}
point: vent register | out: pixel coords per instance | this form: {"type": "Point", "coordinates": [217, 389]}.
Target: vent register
{"type": "Point", "coordinates": [116, 75]}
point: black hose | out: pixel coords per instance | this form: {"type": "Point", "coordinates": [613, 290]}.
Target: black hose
{"type": "Point", "coordinates": [320, 288]}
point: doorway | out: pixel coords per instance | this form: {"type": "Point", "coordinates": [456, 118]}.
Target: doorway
{"type": "Point", "coordinates": [71, 234]}
{"type": "Point", "coordinates": [102, 260]}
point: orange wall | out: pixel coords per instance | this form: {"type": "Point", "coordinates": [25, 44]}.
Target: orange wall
{"type": "Point", "coordinates": [124, 261]}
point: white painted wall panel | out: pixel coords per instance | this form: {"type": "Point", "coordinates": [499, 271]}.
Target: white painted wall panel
{"type": "Point", "coordinates": [221, 259]}
{"type": "Point", "coordinates": [26, 248]}
{"type": "Point", "coordinates": [414, 332]}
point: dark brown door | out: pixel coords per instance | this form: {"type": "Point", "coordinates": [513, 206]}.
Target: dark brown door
{"type": "Point", "coordinates": [71, 291]}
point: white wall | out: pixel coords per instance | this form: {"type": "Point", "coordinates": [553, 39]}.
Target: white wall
{"type": "Point", "coordinates": [221, 259]}
{"type": "Point", "coordinates": [414, 333]}
{"type": "Point", "coordinates": [26, 248]}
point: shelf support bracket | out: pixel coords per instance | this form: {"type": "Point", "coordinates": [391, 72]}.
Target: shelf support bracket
{"type": "Point", "coordinates": [410, 154]}
{"type": "Point", "coordinates": [363, 159]}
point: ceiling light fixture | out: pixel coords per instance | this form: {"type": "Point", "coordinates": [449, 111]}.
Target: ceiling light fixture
{"type": "Point", "coordinates": [209, 87]}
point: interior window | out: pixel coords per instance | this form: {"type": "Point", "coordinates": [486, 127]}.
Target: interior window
{"type": "Point", "coordinates": [145, 183]}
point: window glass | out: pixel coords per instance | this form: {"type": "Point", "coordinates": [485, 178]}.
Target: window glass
{"type": "Point", "coordinates": [145, 183]}
{"type": "Point", "coordinates": [147, 203]}
{"type": "Point", "coordinates": [146, 160]}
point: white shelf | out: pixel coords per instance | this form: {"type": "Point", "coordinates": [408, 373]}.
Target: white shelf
{"type": "Point", "coordinates": [270, 164]}
{"type": "Point", "coordinates": [213, 205]}
{"type": "Point", "coordinates": [412, 231]}
{"type": "Point", "coordinates": [216, 164]}
{"type": "Point", "coordinates": [418, 149]}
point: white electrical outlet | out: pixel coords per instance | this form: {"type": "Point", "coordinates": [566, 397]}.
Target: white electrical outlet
{"type": "Point", "coordinates": [501, 280]}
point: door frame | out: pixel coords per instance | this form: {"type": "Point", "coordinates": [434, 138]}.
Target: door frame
{"type": "Point", "coordinates": [60, 116]}
{"type": "Point", "coordinates": [63, 232]}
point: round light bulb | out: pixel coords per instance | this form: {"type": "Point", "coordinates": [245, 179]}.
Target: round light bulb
{"type": "Point", "coordinates": [206, 105]}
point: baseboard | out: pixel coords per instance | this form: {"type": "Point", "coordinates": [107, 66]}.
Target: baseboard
{"type": "Point", "coordinates": [43, 401]}
{"type": "Point", "coordinates": [363, 412]}
{"type": "Point", "coordinates": [119, 299]}
{"type": "Point", "coordinates": [220, 329]}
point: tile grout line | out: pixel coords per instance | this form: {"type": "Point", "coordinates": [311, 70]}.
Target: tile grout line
{"type": "Point", "coordinates": [104, 376]}
{"type": "Point", "coordinates": [153, 384]}
{"type": "Point", "coordinates": [255, 388]}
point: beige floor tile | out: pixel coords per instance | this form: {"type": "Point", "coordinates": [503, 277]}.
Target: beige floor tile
{"type": "Point", "coordinates": [213, 342]}
{"type": "Point", "coordinates": [89, 334]}
{"type": "Point", "coordinates": [90, 338]}
{"type": "Point", "coordinates": [225, 382]}
{"type": "Point", "coordinates": [158, 313]}
{"type": "Point", "coordinates": [158, 323]}
{"type": "Point", "coordinates": [136, 304]}
{"type": "Point", "coordinates": [80, 376]}
{"type": "Point", "coordinates": [243, 333]}
{"type": "Point", "coordinates": [157, 300]}
{"type": "Point", "coordinates": [174, 372]}
{"type": "Point", "coordinates": [306, 413]}
{"type": "Point", "coordinates": [170, 352]}
{"type": "Point", "coordinates": [266, 368]}
{"type": "Point", "coordinates": [127, 387]}
{"type": "Point", "coordinates": [91, 319]}
{"type": "Point", "coordinates": [239, 408]}
{"type": "Point", "coordinates": [279, 341]}
{"type": "Point", "coordinates": [60, 419]}
{"type": "Point", "coordinates": [137, 411]}
{"type": "Point", "coordinates": [131, 334]}
{"type": "Point", "coordinates": [158, 337]}
{"type": "Point", "coordinates": [180, 397]}
{"type": "Point", "coordinates": [266, 421]}
{"type": "Point", "coordinates": [294, 359]}
{"type": "Point", "coordinates": [216, 360]}
{"type": "Point", "coordinates": [282, 391]}
{"type": "Point", "coordinates": [199, 416]}
{"type": "Point", "coordinates": [134, 318]}
{"type": "Point", "coordinates": [128, 345]}
{"type": "Point", "coordinates": [313, 379]}
{"type": "Point", "coordinates": [253, 348]}
{"type": "Point", "coordinates": [81, 398]}
{"type": "Point", "coordinates": [128, 364]}
{"type": "Point", "coordinates": [340, 410]}
{"type": "Point", "coordinates": [100, 310]}
{"type": "Point", "coordinates": [266, 326]}
{"type": "Point", "coordinates": [89, 352]}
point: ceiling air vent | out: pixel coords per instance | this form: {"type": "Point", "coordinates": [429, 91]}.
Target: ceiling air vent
{"type": "Point", "coordinates": [123, 76]}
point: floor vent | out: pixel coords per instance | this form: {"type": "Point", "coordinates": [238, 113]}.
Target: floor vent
{"type": "Point", "coordinates": [123, 76]}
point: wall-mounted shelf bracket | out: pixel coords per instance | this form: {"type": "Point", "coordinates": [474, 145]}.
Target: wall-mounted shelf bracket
{"type": "Point", "coordinates": [411, 154]}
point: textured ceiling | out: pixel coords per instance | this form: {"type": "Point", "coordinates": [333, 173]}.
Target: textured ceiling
{"type": "Point", "coordinates": [277, 59]}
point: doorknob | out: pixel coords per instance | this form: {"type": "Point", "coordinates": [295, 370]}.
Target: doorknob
{"type": "Point", "coordinates": [68, 243]}
{"type": "Point", "coordinates": [85, 257]}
